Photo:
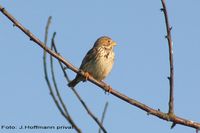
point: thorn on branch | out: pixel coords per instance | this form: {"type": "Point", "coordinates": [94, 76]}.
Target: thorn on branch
{"type": "Point", "coordinates": [170, 28]}
{"type": "Point", "coordinates": [159, 110]}
{"type": "Point", "coordinates": [173, 125]}
{"type": "Point", "coordinates": [28, 31]}
{"type": "Point", "coordinates": [65, 68]}
{"type": "Point", "coordinates": [51, 93]}
{"type": "Point", "coordinates": [148, 113]}
{"type": "Point", "coordinates": [162, 9]}
{"type": "Point", "coordinates": [31, 39]}
{"type": "Point", "coordinates": [168, 78]}
{"type": "Point", "coordinates": [14, 25]}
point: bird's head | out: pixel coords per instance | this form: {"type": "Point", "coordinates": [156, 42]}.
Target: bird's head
{"type": "Point", "coordinates": [105, 42]}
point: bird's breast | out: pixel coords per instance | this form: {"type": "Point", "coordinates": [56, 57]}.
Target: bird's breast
{"type": "Point", "coordinates": [103, 65]}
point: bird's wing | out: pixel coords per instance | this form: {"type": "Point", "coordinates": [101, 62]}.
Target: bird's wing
{"type": "Point", "coordinates": [88, 57]}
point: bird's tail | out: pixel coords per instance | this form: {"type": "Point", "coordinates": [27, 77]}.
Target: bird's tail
{"type": "Point", "coordinates": [73, 83]}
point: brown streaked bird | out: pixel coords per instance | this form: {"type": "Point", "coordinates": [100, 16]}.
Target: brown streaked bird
{"type": "Point", "coordinates": [98, 61]}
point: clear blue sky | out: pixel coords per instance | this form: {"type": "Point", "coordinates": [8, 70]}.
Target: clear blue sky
{"type": "Point", "coordinates": [140, 71]}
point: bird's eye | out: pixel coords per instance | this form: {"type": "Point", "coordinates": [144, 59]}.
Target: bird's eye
{"type": "Point", "coordinates": [108, 41]}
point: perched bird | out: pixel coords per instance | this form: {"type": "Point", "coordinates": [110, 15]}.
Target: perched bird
{"type": "Point", "coordinates": [98, 61]}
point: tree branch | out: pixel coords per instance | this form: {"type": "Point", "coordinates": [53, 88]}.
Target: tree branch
{"type": "Point", "coordinates": [170, 44]}
{"type": "Point", "coordinates": [102, 85]}
{"type": "Point", "coordinates": [65, 112]}
{"type": "Point", "coordinates": [103, 115]}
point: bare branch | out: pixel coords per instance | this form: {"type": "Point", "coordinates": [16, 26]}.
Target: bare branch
{"type": "Point", "coordinates": [65, 112]}
{"type": "Point", "coordinates": [170, 44]}
{"type": "Point", "coordinates": [102, 85]}
{"type": "Point", "coordinates": [55, 84]}
{"type": "Point", "coordinates": [103, 115]}
{"type": "Point", "coordinates": [76, 93]}
{"type": "Point", "coordinates": [58, 93]}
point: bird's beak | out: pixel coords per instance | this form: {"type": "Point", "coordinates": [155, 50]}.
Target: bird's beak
{"type": "Point", "coordinates": [113, 43]}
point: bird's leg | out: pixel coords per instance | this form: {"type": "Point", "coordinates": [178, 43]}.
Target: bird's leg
{"type": "Point", "coordinates": [87, 75]}
{"type": "Point", "coordinates": [108, 89]}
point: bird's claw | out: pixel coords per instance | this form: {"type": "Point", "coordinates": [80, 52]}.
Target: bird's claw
{"type": "Point", "coordinates": [87, 75]}
{"type": "Point", "coordinates": [108, 89]}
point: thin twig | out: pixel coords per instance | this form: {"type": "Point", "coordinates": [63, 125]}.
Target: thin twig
{"type": "Point", "coordinates": [75, 92]}
{"type": "Point", "coordinates": [102, 85]}
{"type": "Point", "coordinates": [170, 44]}
{"type": "Point", "coordinates": [55, 83]}
{"type": "Point", "coordinates": [47, 30]}
{"type": "Point", "coordinates": [65, 112]}
{"type": "Point", "coordinates": [103, 115]}
{"type": "Point", "coordinates": [58, 93]}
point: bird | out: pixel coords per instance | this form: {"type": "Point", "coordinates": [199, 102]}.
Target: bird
{"type": "Point", "coordinates": [98, 61]}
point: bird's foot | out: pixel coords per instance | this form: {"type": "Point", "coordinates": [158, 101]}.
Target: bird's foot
{"type": "Point", "coordinates": [109, 89]}
{"type": "Point", "coordinates": [87, 75]}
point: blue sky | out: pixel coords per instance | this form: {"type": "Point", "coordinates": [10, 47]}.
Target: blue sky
{"type": "Point", "coordinates": [140, 70]}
